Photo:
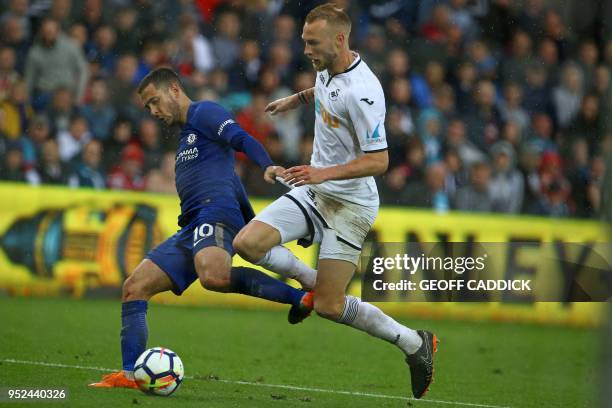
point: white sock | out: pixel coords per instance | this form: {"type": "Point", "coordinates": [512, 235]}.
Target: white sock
{"type": "Point", "coordinates": [372, 320]}
{"type": "Point", "coordinates": [280, 260]}
{"type": "Point", "coordinates": [128, 374]}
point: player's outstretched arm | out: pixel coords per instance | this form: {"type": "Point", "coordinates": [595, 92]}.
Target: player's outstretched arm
{"type": "Point", "coordinates": [369, 164]}
{"type": "Point", "coordinates": [291, 102]}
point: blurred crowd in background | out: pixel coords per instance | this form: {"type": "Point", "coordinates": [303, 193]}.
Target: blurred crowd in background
{"type": "Point", "coordinates": [492, 105]}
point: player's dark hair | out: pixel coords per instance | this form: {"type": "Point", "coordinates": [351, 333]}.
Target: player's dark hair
{"type": "Point", "coordinates": [331, 14]}
{"type": "Point", "coordinates": [161, 78]}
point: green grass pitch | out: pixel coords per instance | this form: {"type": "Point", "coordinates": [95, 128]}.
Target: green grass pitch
{"type": "Point", "coordinates": [254, 358]}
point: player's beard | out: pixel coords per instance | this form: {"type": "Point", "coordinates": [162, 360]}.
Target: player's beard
{"type": "Point", "coordinates": [326, 61]}
{"type": "Point", "coordinates": [175, 111]}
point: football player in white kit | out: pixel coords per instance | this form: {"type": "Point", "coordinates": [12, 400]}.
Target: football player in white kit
{"type": "Point", "coordinates": [335, 200]}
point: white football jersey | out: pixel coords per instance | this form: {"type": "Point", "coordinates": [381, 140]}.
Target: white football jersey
{"type": "Point", "coordinates": [350, 121]}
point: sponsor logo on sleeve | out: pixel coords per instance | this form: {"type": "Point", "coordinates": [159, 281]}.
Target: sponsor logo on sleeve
{"type": "Point", "coordinates": [223, 125]}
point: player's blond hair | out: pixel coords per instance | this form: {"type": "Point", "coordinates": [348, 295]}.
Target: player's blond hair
{"type": "Point", "coordinates": [334, 16]}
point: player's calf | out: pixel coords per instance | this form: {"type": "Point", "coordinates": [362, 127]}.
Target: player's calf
{"type": "Point", "coordinates": [329, 307]}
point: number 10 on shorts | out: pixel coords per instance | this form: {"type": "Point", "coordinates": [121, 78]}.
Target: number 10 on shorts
{"type": "Point", "coordinates": [202, 232]}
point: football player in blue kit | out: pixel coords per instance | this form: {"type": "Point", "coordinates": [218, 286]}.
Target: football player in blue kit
{"type": "Point", "coordinates": [214, 207]}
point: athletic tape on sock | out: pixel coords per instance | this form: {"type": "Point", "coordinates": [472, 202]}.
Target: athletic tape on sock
{"type": "Point", "coordinates": [351, 307]}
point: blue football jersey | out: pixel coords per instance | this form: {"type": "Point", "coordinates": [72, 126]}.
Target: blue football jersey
{"type": "Point", "coordinates": [205, 175]}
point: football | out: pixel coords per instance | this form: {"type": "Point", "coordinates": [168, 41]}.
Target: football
{"type": "Point", "coordinates": [159, 371]}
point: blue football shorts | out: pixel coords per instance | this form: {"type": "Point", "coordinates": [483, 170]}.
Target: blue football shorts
{"type": "Point", "coordinates": [208, 228]}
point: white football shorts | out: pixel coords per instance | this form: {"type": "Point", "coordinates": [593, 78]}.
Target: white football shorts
{"type": "Point", "coordinates": [309, 216]}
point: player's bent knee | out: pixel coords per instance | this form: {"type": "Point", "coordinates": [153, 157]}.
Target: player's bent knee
{"type": "Point", "coordinates": [214, 275]}
{"type": "Point", "coordinates": [329, 308]}
{"type": "Point", "coordinates": [134, 289]}
{"type": "Point", "coordinates": [248, 247]}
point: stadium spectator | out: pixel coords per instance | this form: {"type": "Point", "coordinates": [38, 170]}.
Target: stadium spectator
{"type": "Point", "coordinates": [38, 133]}
{"type": "Point", "coordinates": [123, 83]}
{"type": "Point", "coordinates": [226, 42]}
{"type": "Point", "coordinates": [476, 196]}
{"type": "Point", "coordinates": [555, 29]}
{"type": "Point", "coordinates": [78, 34]}
{"type": "Point", "coordinates": [54, 61]}
{"type": "Point", "coordinates": [121, 136]}
{"type": "Point", "coordinates": [483, 60]}
{"type": "Point", "coordinates": [129, 33]}
{"type": "Point", "coordinates": [579, 175]}
{"type": "Point", "coordinates": [430, 193]}
{"type": "Point", "coordinates": [194, 51]}
{"type": "Point", "coordinates": [456, 140]}
{"type": "Point", "coordinates": [461, 17]}
{"type": "Point", "coordinates": [455, 174]}
{"type": "Point", "coordinates": [12, 165]}
{"type": "Point", "coordinates": [510, 108]}
{"type": "Point", "coordinates": [16, 111]}
{"type": "Point", "coordinates": [603, 89]}
{"type": "Point", "coordinates": [88, 171]}
{"type": "Point", "coordinates": [554, 192]}
{"type": "Point", "coordinates": [410, 169]}
{"type": "Point", "coordinates": [595, 185]}
{"type": "Point", "coordinates": [61, 109]}
{"type": "Point", "coordinates": [91, 15]}
{"type": "Point", "coordinates": [531, 16]}
{"type": "Point", "coordinates": [152, 55]}
{"type": "Point", "coordinates": [506, 187]}
{"type": "Point", "coordinates": [537, 96]}
{"type": "Point", "coordinates": [14, 36]}
{"type": "Point", "coordinates": [244, 74]}
{"type": "Point", "coordinates": [50, 169]}
{"type": "Point", "coordinates": [253, 120]}
{"type": "Point", "coordinates": [436, 29]}
{"type": "Point", "coordinates": [128, 175]}
{"type": "Point", "coordinates": [100, 114]}
{"type": "Point", "coordinates": [548, 55]}
{"type": "Point", "coordinates": [588, 56]}
{"type": "Point", "coordinates": [541, 134]}
{"type": "Point", "coordinates": [150, 141]}
{"type": "Point", "coordinates": [568, 94]}
{"type": "Point", "coordinates": [511, 133]}
{"type": "Point", "coordinates": [483, 122]}
{"type": "Point", "coordinates": [18, 9]}
{"type": "Point", "coordinates": [374, 49]}
{"type": "Point", "coordinates": [587, 125]}
{"type": "Point", "coordinates": [8, 74]}
{"type": "Point", "coordinates": [397, 136]}
{"type": "Point", "coordinates": [515, 65]}
{"type": "Point", "coordinates": [162, 180]}
{"type": "Point", "coordinates": [102, 50]}
{"type": "Point", "coordinates": [429, 129]}
{"type": "Point", "coordinates": [464, 85]}
{"type": "Point", "coordinates": [71, 141]}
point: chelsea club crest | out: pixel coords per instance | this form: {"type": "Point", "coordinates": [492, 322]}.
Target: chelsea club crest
{"type": "Point", "coordinates": [191, 138]}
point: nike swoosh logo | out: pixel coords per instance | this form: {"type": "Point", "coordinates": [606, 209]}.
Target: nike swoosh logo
{"type": "Point", "coordinates": [199, 240]}
{"type": "Point", "coordinates": [366, 100]}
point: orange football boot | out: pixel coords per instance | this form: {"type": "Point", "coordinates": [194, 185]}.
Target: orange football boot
{"type": "Point", "coordinates": [115, 380]}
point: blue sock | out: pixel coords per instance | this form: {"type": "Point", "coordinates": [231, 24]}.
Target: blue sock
{"type": "Point", "coordinates": [134, 331]}
{"type": "Point", "coordinates": [253, 282]}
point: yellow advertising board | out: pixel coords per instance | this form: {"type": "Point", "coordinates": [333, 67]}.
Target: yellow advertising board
{"type": "Point", "coordinates": [83, 243]}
